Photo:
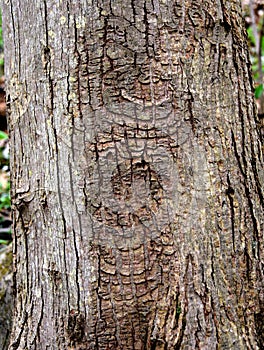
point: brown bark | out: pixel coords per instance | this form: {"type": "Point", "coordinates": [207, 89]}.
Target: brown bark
{"type": "Point", "coordinates": [136, 175]}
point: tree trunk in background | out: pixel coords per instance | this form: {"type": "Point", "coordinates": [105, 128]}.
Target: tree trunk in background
{"type": "Point", "coordinates": [136, 176]}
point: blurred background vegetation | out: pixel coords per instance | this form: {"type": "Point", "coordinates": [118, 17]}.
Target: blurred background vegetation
{"type": "Point", "coordinates": [254, 19]}
{"type": "Point", "coordinates": [5, 203]}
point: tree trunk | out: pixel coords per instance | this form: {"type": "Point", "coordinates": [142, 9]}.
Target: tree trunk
{"type": "Point", "coordinates": [136, 176]}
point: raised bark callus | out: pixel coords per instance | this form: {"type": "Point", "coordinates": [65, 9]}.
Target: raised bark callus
{"type": "Point", "coordinates": [136, 172]}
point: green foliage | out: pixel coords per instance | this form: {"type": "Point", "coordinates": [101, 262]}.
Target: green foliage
{"type": "Point", "coordinates": [5, 202]}
{"type": "Point", "coordinates": [4, 242]}
{"type": "Point", "coordinates": [3, 135]}
{"type": "Point", "coordinates": [257, 53]}
{"type": "Point", "coordinates": [259, 90]}
{"type": "Point", "coordinates": [251, 38]}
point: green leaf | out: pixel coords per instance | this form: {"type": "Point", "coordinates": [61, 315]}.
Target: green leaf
{"type": "Point", "coordinates": [3, 135]}
{"type": "Point", "coordinates": [2, 241]}
{"type": "Point", "coordinates": [251, 36]}
{"type": "Point", "coordinates": [259, 90]}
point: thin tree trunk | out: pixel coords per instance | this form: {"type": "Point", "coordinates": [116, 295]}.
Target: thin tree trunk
{"type": "Point", "coordinates": [136, 176]}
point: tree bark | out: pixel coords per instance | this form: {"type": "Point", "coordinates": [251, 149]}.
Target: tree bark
{"type": "Point", "coordinates": [137, 176]}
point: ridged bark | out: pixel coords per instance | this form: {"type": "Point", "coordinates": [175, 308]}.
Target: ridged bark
{"type": "Point", "coordinates": [137, 176]}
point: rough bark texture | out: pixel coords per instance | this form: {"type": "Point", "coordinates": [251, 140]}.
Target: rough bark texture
{"type": "Point", "coordinates": [6, 300]}
{"type": "Point", "coordinates": [136, 176]}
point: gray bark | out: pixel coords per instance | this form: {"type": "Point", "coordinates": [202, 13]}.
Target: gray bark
{"type": "Point", "coordinates": [137, 176]}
